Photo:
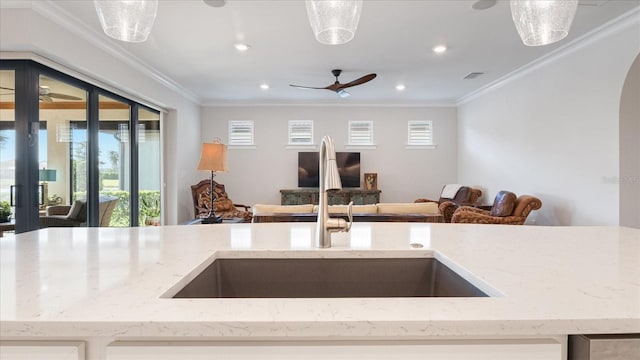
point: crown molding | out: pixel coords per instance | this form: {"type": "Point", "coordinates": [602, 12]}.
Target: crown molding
{"type": "Point", "coordinates": [440, 104]}
{"type": "Point", "coordinates": [50, 10]}
{"type": "Point", "coordinates": [611, 27]}
{"type": "Point", "coordinates": [122, 91]}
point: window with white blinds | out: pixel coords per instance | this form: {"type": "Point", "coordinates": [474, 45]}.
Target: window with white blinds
{"type": "Point", "coordinates": [241, 132]}
{"type": "Point", "coordinates": [300, 132]}
{"type": "Point", "coordinates": [420, 133]}
{"type": "Point", "coordinates": [361, 133]}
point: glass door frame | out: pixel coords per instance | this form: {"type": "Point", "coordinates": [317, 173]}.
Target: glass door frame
{"type": "Point", "coordinates": [27, 118]}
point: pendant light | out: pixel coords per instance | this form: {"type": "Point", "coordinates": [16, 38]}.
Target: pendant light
{"type": "Point", "coordinates": [127, 20]}
{"type": "Point", "coordinates": [542, 22]}
{"type": "Point", "coordinates": [334, 22]}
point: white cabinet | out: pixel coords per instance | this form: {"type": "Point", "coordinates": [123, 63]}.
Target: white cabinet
{"type": "Point", "coordinates": [431, 350]}
{"type": "Point", "coordinates": [39, 350]}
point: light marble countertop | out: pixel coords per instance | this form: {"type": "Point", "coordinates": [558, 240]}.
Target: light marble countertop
{"type": "Point", "coordinates": [82, 282]}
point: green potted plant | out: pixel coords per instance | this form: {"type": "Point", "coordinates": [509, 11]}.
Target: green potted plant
{"type": "Point", "coordinates": [5, 211]}
{"type": "Point", "coordinates": [151, 211]}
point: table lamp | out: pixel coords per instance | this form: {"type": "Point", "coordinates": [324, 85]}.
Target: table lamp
{"type": "Point", "coordinates": [213, 158]}
{"type": "Point", "coordinates": [44, 176]}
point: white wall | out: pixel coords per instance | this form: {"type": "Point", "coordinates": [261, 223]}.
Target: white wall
{"type": "Point", "coordinates": [27, 30]}
{"type": "Point", "coordinates": [554, 132]}
{"type": "Point", "coordinates": [256, 176]}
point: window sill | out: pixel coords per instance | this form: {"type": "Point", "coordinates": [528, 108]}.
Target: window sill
{"type": "Point", "coordinates": [421, 147]}
{"type": "Point", "coordinates": [361, 147]}
{"type": "Point", "coordinates": [242, 147]}
{"type": "Point", "coordinates": [301, 147]}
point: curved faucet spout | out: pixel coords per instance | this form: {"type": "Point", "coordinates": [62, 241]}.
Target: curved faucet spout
{"type": "Point", "coordinates": [329, 180]}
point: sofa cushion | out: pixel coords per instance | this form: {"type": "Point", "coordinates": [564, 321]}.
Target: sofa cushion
{"type": "Point", "coordinates": [357, 209]}
{"type": "Point", "coordinates": [503, 204]}
{"type": "Point", "coordinates": [408, 208]}
{"type": "Point", "coordinates": [281, 209]}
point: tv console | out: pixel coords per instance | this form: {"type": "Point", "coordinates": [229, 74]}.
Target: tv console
{"type": "Point", "coordinates": [340, 197]}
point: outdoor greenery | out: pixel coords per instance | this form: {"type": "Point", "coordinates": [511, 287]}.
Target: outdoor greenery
{"type": "Point", "coordinates": [5, 211]}
{"type": "Point", "coordinates": [149, 204]}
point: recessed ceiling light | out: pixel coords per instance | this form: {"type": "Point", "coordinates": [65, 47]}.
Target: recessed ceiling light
{"type": "Point", "coordinates": [439, 49]}
{"type": "Point", "coordinates": [264, 86]}
{"type": "Point", "coordinates": [241, 47]}
{"type": "Point", "coordinates": [400, 87]}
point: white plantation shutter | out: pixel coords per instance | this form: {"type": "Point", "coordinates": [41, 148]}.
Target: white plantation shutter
{"type": "Point", "coordinates": [300, 132]}
{"type": "Point", "coordinates": [241, 132]}
{"type": "Point", "coordinates": [420, 132]}
{"type": "Point", "coordinates": [360, 132]}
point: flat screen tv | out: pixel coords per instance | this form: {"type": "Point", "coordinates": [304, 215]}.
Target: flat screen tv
{"type": "Point", "coordinates": [348, 168]}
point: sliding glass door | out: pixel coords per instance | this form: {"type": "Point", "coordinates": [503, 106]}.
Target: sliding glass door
{"type": "Point", "coordinates": [62, 151]}
{"type": "Point", "coordinates": [7, 145]}
{"type": "Point", "coordinates": [148, 169]}
{"type": "Point", "coordinates": [71, 150]}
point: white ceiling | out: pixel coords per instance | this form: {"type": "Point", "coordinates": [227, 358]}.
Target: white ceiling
{"type": "Point", "coordinates": [192, 44]}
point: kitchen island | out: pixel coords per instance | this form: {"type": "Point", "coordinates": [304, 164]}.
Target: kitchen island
{"type": "Point", "coordinates": [107, 292]}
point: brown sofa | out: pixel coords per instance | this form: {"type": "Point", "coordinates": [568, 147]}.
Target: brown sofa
{"type": "Point", "coordinates": [507, 209]}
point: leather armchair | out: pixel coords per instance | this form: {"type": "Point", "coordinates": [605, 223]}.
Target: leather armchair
{"type": "Point", "coordinates": [222, 205]}
{"type": "Point", "coordinates": [506, 209]}
{"type": "Point", "coordinates": [465, 196]}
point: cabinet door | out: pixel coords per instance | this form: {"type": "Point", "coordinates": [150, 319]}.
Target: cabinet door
{"type": "Point", "coordinates": [365, 198]}
{"type": "Point", "coordinates": [338, 198]}
{"type": "Point", "coordinates": [452, 350]}
{"type": "Point", "coordinates": [38, 350]}
{"type": "Point", "coordinates": [358, 198]}
{"type": "Point", "coordinates": [298, 197]}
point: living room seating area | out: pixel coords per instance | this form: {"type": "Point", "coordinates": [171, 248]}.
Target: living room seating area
{"type": "Point", "coordinates": [506, 209]}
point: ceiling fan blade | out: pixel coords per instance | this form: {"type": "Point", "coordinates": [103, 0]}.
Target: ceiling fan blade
{"type": "Point", "coordinates": [307, 87]}
{"type": "Point", "coordinates": [359, 81]}
{"type": "Point", "coordinates": [46, 98]}
{"type": "Point", "coordinates": [6, 88]}
{"type": "Point", "coordinates": [63, 96]}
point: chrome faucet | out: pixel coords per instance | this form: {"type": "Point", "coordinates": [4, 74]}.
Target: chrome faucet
{"type": "Point", "coordinates": [329, 180]}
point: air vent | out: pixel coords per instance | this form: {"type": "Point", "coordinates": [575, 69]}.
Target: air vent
{"type": "Point", "coordinates": [473, 75]}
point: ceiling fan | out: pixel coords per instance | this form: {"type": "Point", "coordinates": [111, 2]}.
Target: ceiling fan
{"type": "Point", "coordinates": [337, 86]}
{"type": "Point", "coordinates": [46, 95]}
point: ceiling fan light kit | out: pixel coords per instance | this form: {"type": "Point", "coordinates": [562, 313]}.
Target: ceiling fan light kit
{"type": "Point", "coordinates": [543, 22]}
{"type": "Point", "coordinates": [334, 22]}
{"type": "Point", "coordinates": [127, 20]}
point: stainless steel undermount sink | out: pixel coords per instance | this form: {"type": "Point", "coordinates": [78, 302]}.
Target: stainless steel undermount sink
{"type": "Point", "coordinates": [328, 278]}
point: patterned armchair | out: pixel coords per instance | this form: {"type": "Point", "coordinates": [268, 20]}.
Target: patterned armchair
{"type": "Point", "coordinates": [506, 209]}
{"type": "Point", "coordinates": [447, 204]}
{"type": "Point", "coordinates": [222, 205]}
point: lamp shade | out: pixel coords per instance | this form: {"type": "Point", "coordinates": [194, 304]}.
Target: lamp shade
{"type": "Point", "coordinates": [213, 157]}
{"type": "Point", "coordinates": [542, 22]}
{"type": "Point", "coordinates": [47, 175]}
{"type": "Point", "coordinates": [334, 22]}
{"type": "Point", "coordinates": [127, 20]}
